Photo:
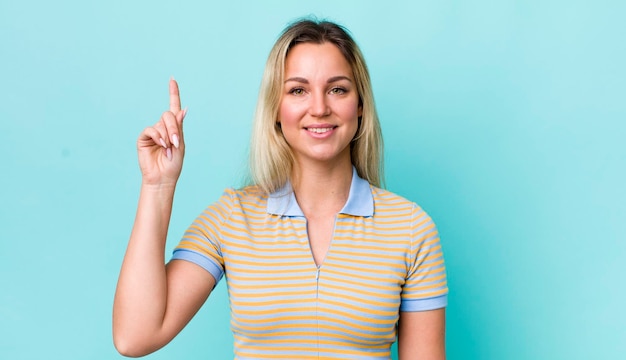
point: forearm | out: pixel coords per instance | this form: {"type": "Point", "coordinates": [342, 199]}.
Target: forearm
{"type": "Point", "coordinates": [141, 296]}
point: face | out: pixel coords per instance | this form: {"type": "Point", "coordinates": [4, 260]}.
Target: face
{"type": "Point", "coordinates": [319, 108]}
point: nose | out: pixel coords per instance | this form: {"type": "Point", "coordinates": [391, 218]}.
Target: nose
{"type": "Point", "coordinates": [319, 105]}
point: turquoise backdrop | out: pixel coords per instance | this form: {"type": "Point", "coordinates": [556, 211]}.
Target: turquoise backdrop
{"type": "Point", "coordinates": [505, 120]}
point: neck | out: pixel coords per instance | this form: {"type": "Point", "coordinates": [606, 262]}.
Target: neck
{"type": "Point", "coordinates": [322, 189]}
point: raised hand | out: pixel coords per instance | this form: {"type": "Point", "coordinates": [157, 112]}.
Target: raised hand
{"type": "Point", "coordinates": [161, 147]}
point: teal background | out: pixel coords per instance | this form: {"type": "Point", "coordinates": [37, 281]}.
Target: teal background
{"type": "Point", "coordinates": [505, 120]}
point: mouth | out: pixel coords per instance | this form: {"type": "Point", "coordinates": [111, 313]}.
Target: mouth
{"type": "Point", "coordinates": [320, 130]}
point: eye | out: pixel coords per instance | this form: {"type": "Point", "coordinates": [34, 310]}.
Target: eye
{"type": "Point", "coordinates": [338, 90]}
{"type": "Point", "coordinates": [297, 91]}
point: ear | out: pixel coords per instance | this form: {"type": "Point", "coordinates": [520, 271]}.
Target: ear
{"type": "Point", "coordinates": [360, 112]}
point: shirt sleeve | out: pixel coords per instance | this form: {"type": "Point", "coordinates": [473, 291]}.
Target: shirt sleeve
{"type": "Point", "coordinates": [426, 285]}
{"type": "Point", "coordinates": [201, 242]}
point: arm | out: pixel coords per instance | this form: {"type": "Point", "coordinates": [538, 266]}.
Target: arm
{"type": "Point", "coordinates": [421, 335]}
{"type": "Point", "coordinates": [153, 302]}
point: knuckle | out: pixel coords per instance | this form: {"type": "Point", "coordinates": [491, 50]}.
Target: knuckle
{"type": "Point", "coordinates": [158, 127]}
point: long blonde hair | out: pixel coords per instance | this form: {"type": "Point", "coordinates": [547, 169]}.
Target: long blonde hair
{"type": "Point", "coordinates": [271, 158]}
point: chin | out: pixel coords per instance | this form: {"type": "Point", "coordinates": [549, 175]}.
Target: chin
{"type": "Point", "coordinates": [331, 156]}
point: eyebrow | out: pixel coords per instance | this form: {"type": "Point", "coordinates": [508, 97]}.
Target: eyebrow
{"type": "Point", "coordinates": [330, 80]}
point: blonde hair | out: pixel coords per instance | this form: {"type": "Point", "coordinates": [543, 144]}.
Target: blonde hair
{"type": "Point", "coordinates": [271, 159]}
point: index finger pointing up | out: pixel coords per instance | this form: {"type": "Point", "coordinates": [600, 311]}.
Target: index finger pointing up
{"type": "Point", "coordinates": [174, 97]}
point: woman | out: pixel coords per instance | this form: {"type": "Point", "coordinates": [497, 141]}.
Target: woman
{"type": "Point", "coordinates": [320, 262]}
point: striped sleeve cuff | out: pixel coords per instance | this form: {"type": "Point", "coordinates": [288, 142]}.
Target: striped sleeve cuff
{"type": "Point", "coordinates": [424, 304]}
{"type": "Point", "coordinates": [200, 260]}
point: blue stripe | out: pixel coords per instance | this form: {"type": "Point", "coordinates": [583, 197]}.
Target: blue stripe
{"type": "Point", "coordinates": [200, 260]}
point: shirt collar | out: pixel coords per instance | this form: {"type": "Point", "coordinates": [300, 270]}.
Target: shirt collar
{"type": "Point", "coordinates": [360, 200]}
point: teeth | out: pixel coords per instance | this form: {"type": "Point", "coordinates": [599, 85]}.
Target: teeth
{"type": "Point", "coordinates": [319, 130]}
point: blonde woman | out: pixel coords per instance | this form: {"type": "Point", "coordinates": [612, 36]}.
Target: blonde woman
{"type": "Point", "coordinates": [320, 261]}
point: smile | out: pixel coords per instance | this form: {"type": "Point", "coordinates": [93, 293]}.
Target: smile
{"type": "Point", "coordinates": [320, 130]}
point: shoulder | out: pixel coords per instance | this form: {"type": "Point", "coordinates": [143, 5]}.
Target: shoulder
{"type": "Point", "coordinates": [245, 193]}
{"type": "Point", "coordinates": [385, 199]}
{"type": "Point", "coordinates": [390, 203]}
{"type": "Point", "coordinates": [246, 198]}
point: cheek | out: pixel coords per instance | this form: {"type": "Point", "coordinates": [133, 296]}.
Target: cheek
{"type": "Point", "coordinates": [287, 113]}
{"type": "Point", "coordinates": [351, 111]}
{"type": "Point", "coordinates": [356, 113]}
{"type": "Point", "coordinates": [289, 120]}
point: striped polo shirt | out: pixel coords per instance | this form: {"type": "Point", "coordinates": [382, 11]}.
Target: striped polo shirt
{"type": "Point", "coordinates": [385, 257]}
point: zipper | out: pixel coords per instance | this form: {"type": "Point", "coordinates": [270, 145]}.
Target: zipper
{"type": "Point", "coordinates": [317, 304]}
{"type": "Point", "coordinates": [317, 282]}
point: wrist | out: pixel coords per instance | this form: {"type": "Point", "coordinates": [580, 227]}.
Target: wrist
{"type": "Point", "coordinates": [161, 194]}
{"type": "Point", "coordinates": [158, 187]}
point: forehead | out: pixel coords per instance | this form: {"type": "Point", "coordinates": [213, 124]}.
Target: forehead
{"type": "Point", "coordinates": [312, 58]}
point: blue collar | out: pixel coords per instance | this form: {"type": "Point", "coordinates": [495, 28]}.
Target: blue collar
{"type": "Point", "coordinates": [360, 200]}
